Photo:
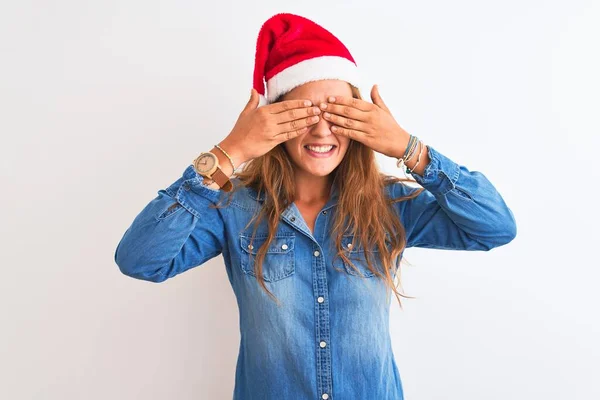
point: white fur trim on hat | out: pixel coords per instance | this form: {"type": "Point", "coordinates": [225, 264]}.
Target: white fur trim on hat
{"type": "Point", "coordinates": [262, 100]}
{"type": "Point", "coordinates": [313, 69]}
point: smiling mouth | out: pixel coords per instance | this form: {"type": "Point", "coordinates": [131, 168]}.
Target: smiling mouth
{"type": "Point", "coordinates": [319, 151]}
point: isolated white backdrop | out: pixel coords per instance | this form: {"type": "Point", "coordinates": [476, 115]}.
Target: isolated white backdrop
{"type": "Point", "coordinates": [103, 103]}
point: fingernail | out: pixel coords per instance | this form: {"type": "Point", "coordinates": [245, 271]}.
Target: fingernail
{"type": "Point", "coordinates": [308, 103]}
{"type": "Point", "coordinates": [331, 99]}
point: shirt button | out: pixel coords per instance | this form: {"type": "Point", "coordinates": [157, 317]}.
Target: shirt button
{"type": "Point", "coordinates": [324, 212]}
{"type": "Point", "coordinates": [349, 245]}
{"type": "Point", "coordinates": [293, 219]}
{"type": "Point", "coordinates": [316, 253]}
{"type": "Point", "coordinates": [320, 299]}
{"type": "Point", "coordinates": [284, 246]}
{"type": "Point", "coordinates": [322, 344]}
{"type": "Point", "coordinates": [325, 396]}
{"type": "Point", "coordinates": [250, 246]}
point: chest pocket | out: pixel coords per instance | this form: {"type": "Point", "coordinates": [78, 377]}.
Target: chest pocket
{"type": "Point", "coordinates": [356, 253]}
{"type": "Point", "coordinates": [279, 259]}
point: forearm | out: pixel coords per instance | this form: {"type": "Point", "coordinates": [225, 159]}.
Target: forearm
{"type": "Point", "coordinates": [459, 210]}
{"type": "Point", "coordinates": [174, 232]}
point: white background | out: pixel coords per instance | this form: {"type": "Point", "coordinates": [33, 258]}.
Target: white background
{"type": "Point", "coordinates": [104, 103]}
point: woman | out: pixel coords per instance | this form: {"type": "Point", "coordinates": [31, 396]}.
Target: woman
{"type": "Point", "coordinates": [311, 232]}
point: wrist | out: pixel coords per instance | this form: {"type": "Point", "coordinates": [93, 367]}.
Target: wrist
{"type": "Point", "coordinates": [233, 151]}
{"type": "Point", "coordinates": [403, 145]}
{"type": "Point", "coordinates": [224, 163]}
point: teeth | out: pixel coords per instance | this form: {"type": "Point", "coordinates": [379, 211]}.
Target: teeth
{"type": "Point", "coordinates": [320, 149]}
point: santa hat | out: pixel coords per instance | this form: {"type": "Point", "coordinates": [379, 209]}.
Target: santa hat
{"type": "Point", "coordinates": [292, 50]}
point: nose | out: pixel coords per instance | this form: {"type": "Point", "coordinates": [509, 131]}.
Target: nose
{"type": "Point", "coordinates": [321, 128]}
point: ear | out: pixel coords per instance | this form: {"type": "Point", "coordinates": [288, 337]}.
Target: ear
{"type": "Point", "coordinates": [376, 97]}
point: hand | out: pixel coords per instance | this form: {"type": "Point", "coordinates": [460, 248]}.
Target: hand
{"type": "Point", "coordinates": [371, 124]}
{"type": "Point", "coordinates": [258, 130]}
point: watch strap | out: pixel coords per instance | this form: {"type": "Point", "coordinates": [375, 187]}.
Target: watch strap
{"type": "Point", "coordinates": [222, 180]}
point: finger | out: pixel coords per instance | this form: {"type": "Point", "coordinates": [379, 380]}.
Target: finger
{"type": "Point", "coordinates": [352, 102]}
{"type": "Point", "coordinates": [296, 113]}
{"type": "Point", "coordinates": [252, 102]}
{"type": "Point", "coordinates": [376, 97]}
{"type": "Point", "coordinates": [276, 108]}
{"type": "Point", "coordinates": [285, 136]}
{"type": "Point", "coordinates": [297, 124]}
{"type": "Point", "coordinates": [346, 122]}
{"type": "Point", "coordinates": [345, 111]}
{"type": "Point", "coordinates": [350, 133]}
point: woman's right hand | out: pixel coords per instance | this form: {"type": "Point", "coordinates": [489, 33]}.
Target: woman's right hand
{"type": "Point", "coordinates": [258, 130]}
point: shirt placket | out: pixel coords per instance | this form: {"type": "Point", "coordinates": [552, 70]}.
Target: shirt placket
{"type": "Point", "coordinates": [322, 329]}
{"type": "Point", "coordinates": [320, 296]}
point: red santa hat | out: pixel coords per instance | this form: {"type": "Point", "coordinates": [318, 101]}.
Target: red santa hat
{"type": "Point", "coordinates": [292, 50]}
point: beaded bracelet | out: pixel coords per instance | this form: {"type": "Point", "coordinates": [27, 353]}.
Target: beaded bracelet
{"type": "Point", "coordinates": [421, 146]}
{"type": "Point", "coordinates": [411, 152]}
{"type": "Point", "coordinates": [408, 152]}
{"type": "Point", "coordinates": [413, 143]}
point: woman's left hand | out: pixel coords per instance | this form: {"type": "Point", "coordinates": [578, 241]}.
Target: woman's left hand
{"type": "Point", "coordinates": [370, 123]}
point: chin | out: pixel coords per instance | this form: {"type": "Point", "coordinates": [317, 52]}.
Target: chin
{"type": "Point", "coordinates": [319, 171]}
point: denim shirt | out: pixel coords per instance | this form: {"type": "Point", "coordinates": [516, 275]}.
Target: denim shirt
{"type": "Point", "coordinates": [329, 338]}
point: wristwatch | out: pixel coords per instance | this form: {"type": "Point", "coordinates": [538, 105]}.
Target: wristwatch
{"type": "Point", "coordinates": [207, 165]}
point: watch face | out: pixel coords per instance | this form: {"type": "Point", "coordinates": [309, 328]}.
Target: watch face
{"type": "Point", "coordinates": [205, 162]}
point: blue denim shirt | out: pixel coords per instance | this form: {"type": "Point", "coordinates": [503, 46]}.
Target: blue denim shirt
{"type": "Point", "coordinates": [329, 338]}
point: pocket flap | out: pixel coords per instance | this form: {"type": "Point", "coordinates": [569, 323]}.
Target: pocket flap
{"type": "Point", "coordinates": [281, 243]}
{"type": "Point", "coordinates": [350, 247]}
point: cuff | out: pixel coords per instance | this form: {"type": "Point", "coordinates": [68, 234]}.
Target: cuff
{"type": "Point", "coordinates": [192, 193]}
{"type": "Point", "coordinates": [440, 175]}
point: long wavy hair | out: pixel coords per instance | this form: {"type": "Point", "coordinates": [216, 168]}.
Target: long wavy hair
{"type": "Point", "coordinates": [363, 209]}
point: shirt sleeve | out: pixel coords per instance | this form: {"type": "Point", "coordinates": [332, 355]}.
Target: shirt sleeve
{"type": "Point", "coordinates": [458, 210]}
{"type": "Point", "coordinates": [174, 232]}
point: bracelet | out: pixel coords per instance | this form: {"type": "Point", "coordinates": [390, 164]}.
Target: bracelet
{"type": "Point", "coordinates": [418, 158]}
{"type": "Point", "coordinates": [224, 152]}
{"type": "Point", "coordinates": [412, 142]}
{"type": "Point", "coordinates": [409, 155]}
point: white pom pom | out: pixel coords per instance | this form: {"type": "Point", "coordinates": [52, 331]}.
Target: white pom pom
{"type": "Point", "coordinates": [262, 101]}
